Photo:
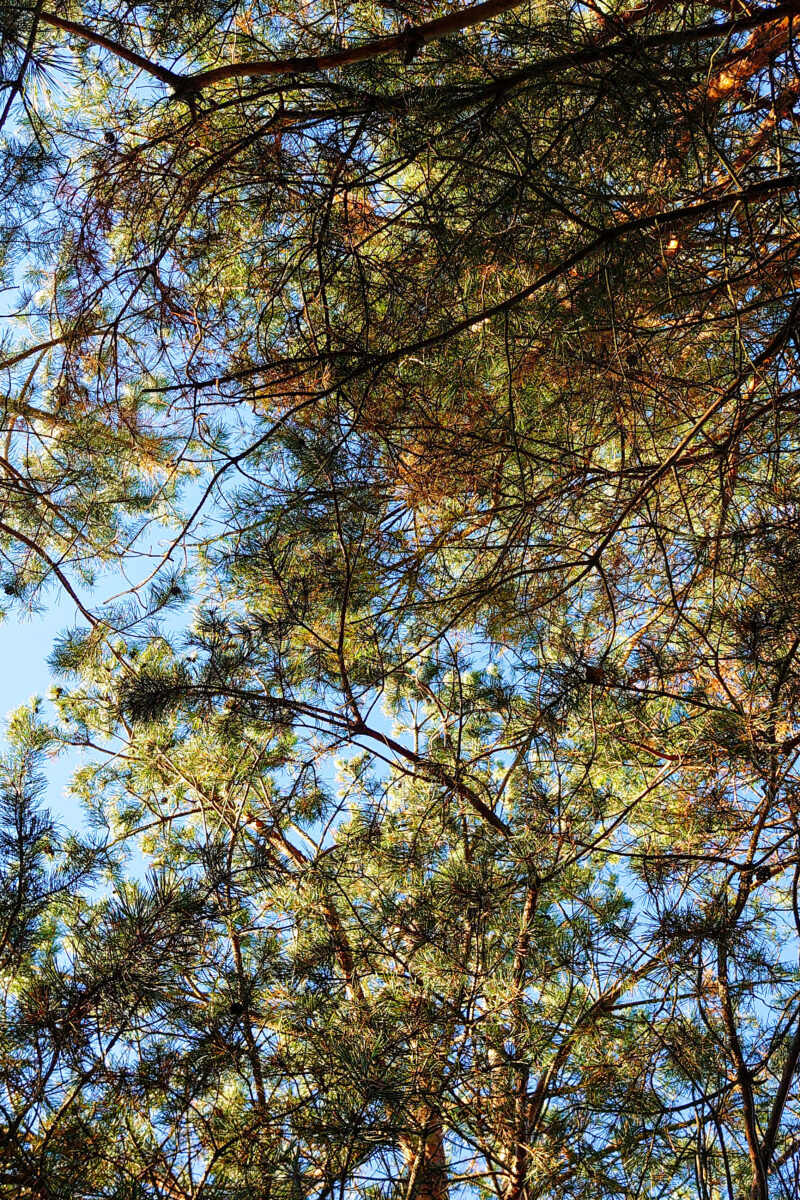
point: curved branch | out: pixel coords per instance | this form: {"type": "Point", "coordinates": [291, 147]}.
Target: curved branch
{"type": "Point", "coordinates": [420, 35]}
{"type": "Point", "coordinates": [415, 36]}
{"type": "Point", "coordinates": [116, 48]}
{"type": "Point", "coordinates": [17, 535]}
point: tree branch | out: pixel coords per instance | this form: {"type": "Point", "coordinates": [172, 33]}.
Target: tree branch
{"type": "Point", "coordinates": [420, 35]}
{"type": "Point", "coordinates": [115, 48]}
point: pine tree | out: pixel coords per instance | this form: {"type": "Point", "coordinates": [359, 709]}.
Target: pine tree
{"type": "Point", "coordinates": [467, 788]}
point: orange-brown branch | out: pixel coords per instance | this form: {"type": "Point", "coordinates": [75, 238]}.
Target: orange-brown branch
{"type": "Point", "coordinates": [419, 35]}
{"type": "Point", "coordinates": [776, 19]}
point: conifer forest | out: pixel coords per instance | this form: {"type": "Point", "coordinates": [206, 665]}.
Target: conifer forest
{"type": "Point", "coordinates": [401, 398]}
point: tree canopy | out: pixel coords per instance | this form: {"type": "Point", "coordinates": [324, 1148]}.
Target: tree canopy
{"type": "Point", "coordinates": [406, 395]}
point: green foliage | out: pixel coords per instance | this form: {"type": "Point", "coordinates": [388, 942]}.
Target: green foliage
{"type": "Point", "coordinates": [433, 401]}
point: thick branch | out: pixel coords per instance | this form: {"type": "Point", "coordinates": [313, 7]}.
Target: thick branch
{"type": "Point", "coordinates": [431, 31]}
{"type": "Point", "coordinates": [419, 35]}
{"type": "Point", "coordinates": [115, 48]}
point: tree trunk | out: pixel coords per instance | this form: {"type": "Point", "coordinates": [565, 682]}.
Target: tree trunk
{"type": "Point", "coordinates": [424, 1153]}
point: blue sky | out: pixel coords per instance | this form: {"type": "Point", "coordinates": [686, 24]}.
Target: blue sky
{"type": "Point", "coordinates": [24, 648]}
